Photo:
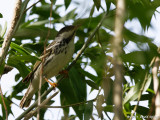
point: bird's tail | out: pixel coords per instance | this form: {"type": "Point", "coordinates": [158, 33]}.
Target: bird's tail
{"type": "Point", "coordinates": [26, 100]}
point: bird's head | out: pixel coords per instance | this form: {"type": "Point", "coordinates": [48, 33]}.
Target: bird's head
{"type": "Point", "coordinates": [67, 31]}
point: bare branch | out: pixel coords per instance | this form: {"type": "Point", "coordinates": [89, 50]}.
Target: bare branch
{"type": "Point", "coordinates": [30, 7]}
{"type": "Point", "coordinates": [10, 32]}
{"type": "Point", "coordinates": [118, 66]}
{"type": "Point", "coordinates": [5, 107]}
{"type": "Point", "coordinates": [41, 72]}
{"type": "Point", "coordinates": [156, 87]}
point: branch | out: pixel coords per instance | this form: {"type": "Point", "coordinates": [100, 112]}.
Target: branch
{"type": "Point", "coordinates": [41, 72]}
{"type": "Point", "coordinates": [71, 105]}
{"type": "Point", "coordinates": [68, 68]}
{"type": "Point", "coordinates": [30, 7]}
{"type": "Point", "coordinates": [118, 65]}
{"type": "Point", "coordinates": [10, 32]}
{"type": "Point", "coordinates": [34, 104]}
{"type": "Point", "coordinates": [5, 107]}
{"type": "Point", "coordinates": [29, 115]}
{"type": "Point", "coordinates": [156, 87]}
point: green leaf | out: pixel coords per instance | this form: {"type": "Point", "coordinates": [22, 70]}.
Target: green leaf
{"type": "Point", "coordinates": [44, 11]}
{"type": "Point", "coordinates": [97, 3]}
{"type": "Point", "coordinates": [143, 10]}
{"type": "Point", "coordinates": [31, 32]}
{"type": "Point", "coordinates": [141, 110]}
{"type": "Point", "coordinates": [54, 1]}
{"type": "Point", "coordinates": [8, 105]}
{"type": "Point", "coordinates": [89, 75]}
{"type": "Point", "coordinates": [138, 57]}
{"type": "Point", "coordinates": [1, 16]}
{"type": "Point", "coordinates": [23, 69]}
{"type": "Point", "coordinates": [63, 103]}
{"type": "Point", "coordinates": [108, 4]}
{"type": "Point", "coordinates": [67, 3]}
{"type": "Point", "coordinates": [88, 110]}
{"type": "Point", "coordinates": [92, 84]}
{"type": "Point", "coordinates": [70, 15]}
{"type": "Point", "coordinates": [27, 58]}
{"type": "Point", "coordinates": [108, 108]}
{"type": "Point", "coordinates": [74, 89]}
{"type": "Point", "coordinates": [19, 49]}
{"type": "Point", "coordinates": [36, 48]}
{"type": "Point", "coordinates": [135, 90]}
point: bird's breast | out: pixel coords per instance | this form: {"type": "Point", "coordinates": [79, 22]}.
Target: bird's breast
{"type": "Point", "coordinates": [56, 62]}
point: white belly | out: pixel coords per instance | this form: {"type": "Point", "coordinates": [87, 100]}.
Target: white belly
{"type": "Point", "coordinates": [59, 61]}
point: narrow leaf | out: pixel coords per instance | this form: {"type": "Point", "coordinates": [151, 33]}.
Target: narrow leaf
{"type": "Point", "coordinates": [19, 49]}
{"type": "Point", "coordinates": [135, 91]}
{"type": "Point", "coordinates": [97, 3]}
{"type": "Point", "coordinates": [67, 3]}
{"type": "Point", "coordinates": [1, 16]}
{"type": "Point", "coordinates": [92, 84]}
{"type": "Point", "coordinates": [88, 110]}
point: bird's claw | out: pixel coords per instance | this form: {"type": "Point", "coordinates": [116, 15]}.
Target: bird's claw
{"type": "Point", "coordinates": [51, 83]}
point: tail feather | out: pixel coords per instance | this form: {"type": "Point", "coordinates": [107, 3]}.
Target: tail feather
{"type": "Point", "coordinates": [26, 100]}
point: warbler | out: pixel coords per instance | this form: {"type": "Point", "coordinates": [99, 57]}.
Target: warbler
{"type": "Point", "coordinates": [58, 54]}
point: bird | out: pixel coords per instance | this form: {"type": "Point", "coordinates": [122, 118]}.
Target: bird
{"type": "Point", "coordinates": [58, 53]}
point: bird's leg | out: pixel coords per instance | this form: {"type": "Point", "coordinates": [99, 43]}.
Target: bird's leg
{"type": "Point", "coordinates": [51, 83]}
{"type": "Point", "coordinates": [64, 72]}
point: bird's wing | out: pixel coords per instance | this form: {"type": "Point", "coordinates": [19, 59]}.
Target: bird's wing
{"type": "Point", "coordinates": [37, 64]}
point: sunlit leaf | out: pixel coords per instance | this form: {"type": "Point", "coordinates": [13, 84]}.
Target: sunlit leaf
{"type": "Point", "coordinates": [135, 90]}
{"type": "Point", "coordinates": [19, 49]}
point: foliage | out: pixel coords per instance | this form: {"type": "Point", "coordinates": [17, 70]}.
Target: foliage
{"type": "Point", "coordinates": [29, 40]}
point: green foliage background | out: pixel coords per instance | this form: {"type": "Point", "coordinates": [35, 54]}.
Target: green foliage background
{"type": "Point", "coordinates": [28, 42]}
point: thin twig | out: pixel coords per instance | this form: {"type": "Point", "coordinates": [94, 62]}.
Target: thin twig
{"type": "Point", "coordinates": [139, 96]}
{"type": "Point", "coordinates": [71, 105]}
{"type": "Point", "coordinates": [30, 6]}
{"type": "Point", "coordinates": [43, 59]}
{"type": "Point", "coordinates": [5, 107]}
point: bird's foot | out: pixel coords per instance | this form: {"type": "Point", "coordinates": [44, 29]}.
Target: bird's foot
{"type": "Point", "coordinates": [51, 83]}
{"type": "Point", "coordinates": [64, 72]}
